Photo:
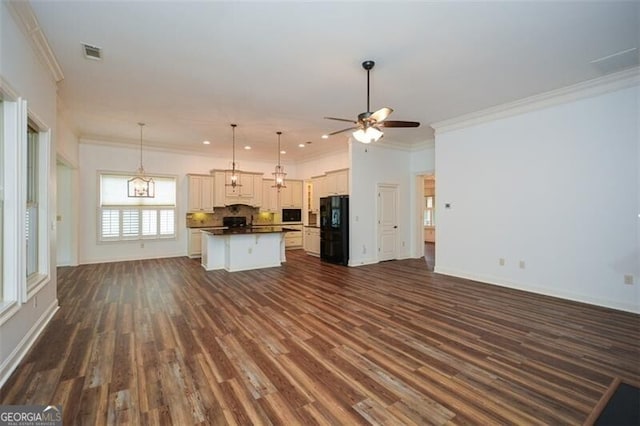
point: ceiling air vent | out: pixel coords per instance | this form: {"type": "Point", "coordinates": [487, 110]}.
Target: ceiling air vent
{"type": "Point", "coordinates": [92, 52]}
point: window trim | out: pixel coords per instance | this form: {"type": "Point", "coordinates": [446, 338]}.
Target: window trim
{"type": "Point", "coordinates": [17, 290]}
{"type": "Point", "coordinates": [38, 280]}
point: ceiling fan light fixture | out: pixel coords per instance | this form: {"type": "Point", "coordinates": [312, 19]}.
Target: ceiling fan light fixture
{"type": "Point", "coordinates": [368, 135]}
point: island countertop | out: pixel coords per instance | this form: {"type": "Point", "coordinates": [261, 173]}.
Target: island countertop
{"type": "Point", "coordinates": [247, 230]}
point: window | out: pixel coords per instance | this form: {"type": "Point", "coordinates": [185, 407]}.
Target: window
{"type": "Point", "coordinates": [429, 211]}
{"type": "Point", "coordinates": [24, 202]}
{"type": "Point", "coordinates": [123, 218]}
{"type": "Point", "coordinates": [31, 215]}
{"type": "Point", "coordinates": [2, 166]}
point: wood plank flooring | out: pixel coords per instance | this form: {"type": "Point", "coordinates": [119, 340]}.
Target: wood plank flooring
{"type": "Point", "coordinates": [165, 342]}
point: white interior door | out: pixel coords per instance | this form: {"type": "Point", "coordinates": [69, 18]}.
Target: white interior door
{"type": "Point", "coordinates": [387, 221]}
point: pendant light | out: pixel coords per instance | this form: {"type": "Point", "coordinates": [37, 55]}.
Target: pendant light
{"type": "Point", "coordinates": [141, 186]}
{"type": "Point", "coordinates": [234, 178]}
{"type": "Point", "coordinates": [279, 174]}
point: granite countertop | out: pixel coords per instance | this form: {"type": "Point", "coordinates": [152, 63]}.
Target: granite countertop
{"type": "Point", "coordinates": [249, 230]}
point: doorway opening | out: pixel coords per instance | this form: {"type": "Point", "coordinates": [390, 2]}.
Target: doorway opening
{"type": "Point", "coordinates": [427, 217]}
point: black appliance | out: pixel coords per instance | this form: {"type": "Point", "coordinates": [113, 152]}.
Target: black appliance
{"type": "Point", "coordinates": [334, 229]}
{"type": "Point", "coordinates": [234, 221]}
{"type": "Point", "coordinates": [291, 215]}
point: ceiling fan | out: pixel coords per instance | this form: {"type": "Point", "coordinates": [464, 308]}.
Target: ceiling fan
{"type": "Point", "coordinates": [368, 125]}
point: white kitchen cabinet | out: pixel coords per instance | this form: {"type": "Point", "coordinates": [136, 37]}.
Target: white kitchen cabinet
{"type": "Point", "coordinates": [309, 197]}
{"type": "Point", "coordinates": [200, 193]}
{"type": "Point", "coordinates": [269, 196]}
{"type": "Point", "coordinates": [337, 182]}
{"type": "Point", "coordinates": [312, 241]}
{"type": "Point", "coordinates": [242, 191]}
{"type": "Point", "coordinates": [247, 191]}
{"type": "Point", "coordinates": [319, 189]}
{"type": "Point", "coordinates": [293, 240]}
{"type": "Point", "coordinates": [257, 190]}
{"type": "Point", "coordinates": [195, 243]}
{"type": "Point", "coordinates": [291, 195]}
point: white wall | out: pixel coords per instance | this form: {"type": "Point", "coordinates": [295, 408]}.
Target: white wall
{"type": "Point", "coordinates": [23, 71]}
{"type": "Point", "coordinates": [319, 166]}
{"type": "Point", "coordinates": [423, 161]}
{"type": "Point", "coordinates": [556, 188]}
{"type": "Point", "coordinates": [371, 165]}
{"type": "Point", "coordinates": [94, 158]}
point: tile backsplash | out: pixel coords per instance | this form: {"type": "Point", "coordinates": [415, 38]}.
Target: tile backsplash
{"type": "Point", "coordinates": [199, 220]}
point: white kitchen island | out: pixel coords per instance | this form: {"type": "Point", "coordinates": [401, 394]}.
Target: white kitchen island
{"type": "Point", "coordinates": [242, 249]}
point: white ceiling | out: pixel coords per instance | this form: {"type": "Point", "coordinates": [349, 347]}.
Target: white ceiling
{"type": "Point", "coordinates": [189, 69]}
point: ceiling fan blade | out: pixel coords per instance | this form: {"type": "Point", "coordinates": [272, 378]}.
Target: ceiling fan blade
{"type": "Point", "coordinates": [343, 130]}
{"type": "Point", "coordinates": [341, 119]}
{"type": "Point", "coordinates": [381, 114]}
{"type": "Point", "coordinates": [395, 123]}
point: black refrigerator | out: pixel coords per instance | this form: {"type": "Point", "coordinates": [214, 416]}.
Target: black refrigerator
{"type": "Point", "coordinates": [334, 229]}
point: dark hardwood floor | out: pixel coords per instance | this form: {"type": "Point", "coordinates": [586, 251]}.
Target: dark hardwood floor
{"type": "Point", "coordinates": [165, 342]}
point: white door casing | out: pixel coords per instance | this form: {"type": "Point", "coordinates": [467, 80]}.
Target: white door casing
{"type": "Point", "coordinates": [387, 222]}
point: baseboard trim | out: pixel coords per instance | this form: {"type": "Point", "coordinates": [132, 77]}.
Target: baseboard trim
{"type": "Point", "coordinates": [363, 262]}
{"type": "Point", "coordinates": [545, 291]}
{"type": "Point", "coordinates": [16, 356]}
{"type": "Point", "coordinates": [130, 259]}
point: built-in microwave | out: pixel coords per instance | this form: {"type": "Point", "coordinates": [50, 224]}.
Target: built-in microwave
{"type": "Point", "coordinates": [291, 215]}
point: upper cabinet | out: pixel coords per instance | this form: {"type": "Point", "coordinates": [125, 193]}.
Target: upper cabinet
{"type": "Point", "coordinates": [243, 189]}
{"type": "Point", "coordinates": [269, 196]}
{"type": "Point", "coordinates": [291, 195]}
{"type": "Point", "coordinates": [314, 193]}
{"type": "Point", "coordinates": [248, 189]}
{"type": "Point", "coordinates": [200, 193]}
{"type": "Point", "coordinates": [337, 182]}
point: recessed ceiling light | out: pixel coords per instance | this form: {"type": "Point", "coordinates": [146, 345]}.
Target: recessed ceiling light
{"type": "Point", "coordinates": [206, 143]}
{"type": "Point", "coordinates": [283, 152]}
{"type": "Point", "coordinates": [325, 136]}
{"type": "Point", "coordinates": [247, 147]}
{"type": "Point", "coordinates": [300, 145]}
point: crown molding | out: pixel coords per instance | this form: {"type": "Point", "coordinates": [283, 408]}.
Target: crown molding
{"type": "Point", "coordinates": [127, 143]}
{"type": "Point", "coordinates": [29, 24]}
{"type": "Point", "coordinates": [585, 89]}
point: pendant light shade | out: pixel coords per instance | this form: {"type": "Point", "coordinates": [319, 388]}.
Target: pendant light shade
{"type": "Point", "coordinates": [279, 173]}
{"type": "Point", "coordinates": [141, 186]}
{"type": "Point", "coordinates": [232, 174]}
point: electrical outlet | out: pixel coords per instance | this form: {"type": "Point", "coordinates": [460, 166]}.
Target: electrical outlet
{"type": "Point", "coordinates": [403, 244]}
{"type": "Point", "coordinates": [250, 250]}
{"type": "Point", "coordinates": [364, 249]}
{"type": "Point", "coordinates": [141, 245]}
{"type": "Point", "coordinates": [628, 279]}
{"type": "Point", "coordinates": [501, 261]}
{"type": "Point", "coordinates": [521, 264]}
